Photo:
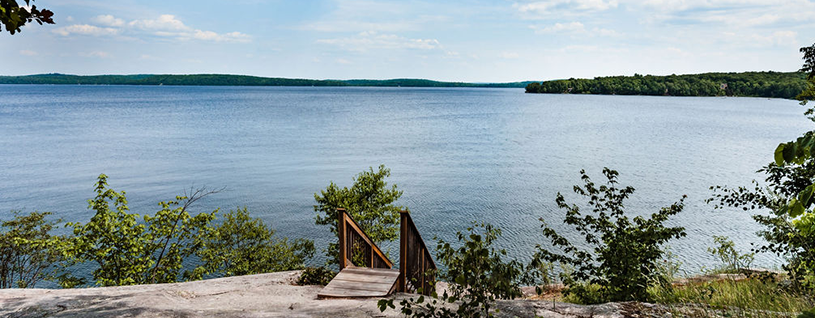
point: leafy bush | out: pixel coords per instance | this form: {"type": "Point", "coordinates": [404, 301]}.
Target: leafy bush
{"type": "Point", "coordinates": [624, 258]}
{"type": "Point", "coordinates": [316, 276]}
{"type": "Point", "coordinates": [28, 251]}
{"type": "Point", "coordinates": [790, 227]}
{"type": "Point", "coordinates": [477, 275]}
{"type": "Point", "coordinates": [129, 252]}
{"type": "Point", "coordinates": [242, 245]}
{"type": "Point", "coordinates": [732, 261]}
{"type": "Point", "coordinates": [158, 249]}
{"type": "Point", "coordinates": [783, 237]}
{"type": "Point", "coordinates": [369, 202]}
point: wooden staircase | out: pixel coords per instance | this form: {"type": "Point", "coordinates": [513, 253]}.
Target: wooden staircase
{"type": "Point", "coordinates": [361, 282]}
{"type": "Point", "coordinates": [378, 278]}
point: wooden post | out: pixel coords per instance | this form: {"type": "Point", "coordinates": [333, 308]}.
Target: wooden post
{"type": "Point", "coordinates": [403, 237]}
{"type": "Point", "coordinates": [421, 274]}
{"type": "Point", "coordinates": [341, 234]}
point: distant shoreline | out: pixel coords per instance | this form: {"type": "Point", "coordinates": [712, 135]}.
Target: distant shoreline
{"type": "Point", "coordinates": [235, 80]}
{"type": "Point", "coordinates": [746, 84]}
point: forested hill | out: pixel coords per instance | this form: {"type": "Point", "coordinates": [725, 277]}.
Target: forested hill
{"type": "Point", "coordinates": [755, 84]}
{"type": "Point", "coordinates": [230, 80]}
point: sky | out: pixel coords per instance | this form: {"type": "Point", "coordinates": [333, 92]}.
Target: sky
{"type": "Point", "coordinates": [470, 41]}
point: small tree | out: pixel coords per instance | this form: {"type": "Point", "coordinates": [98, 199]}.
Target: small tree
{"type": "Point", "coordinates": [130, 252]}
{"type": "Point", "coordinates": [28, 251]}
{"type": "Point", "coordinates": [624, 255]}
{"type": "Point", "coordinates": [369, 201]}
{"type": "Point", "coordinates": [175, 235]}
{"type": "Point", "coordinates": [732, 261]}
{"type": "Point", "coordinates": [242, 245]}
{"type": "Point", "coordinates": [113, 238]}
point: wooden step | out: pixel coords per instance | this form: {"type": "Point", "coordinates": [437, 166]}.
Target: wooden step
{"type": "Point", "coordinates": [355, 282]}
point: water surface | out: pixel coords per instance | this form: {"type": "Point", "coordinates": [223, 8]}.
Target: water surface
{"type": "Point", "coordinates": [460, 155]}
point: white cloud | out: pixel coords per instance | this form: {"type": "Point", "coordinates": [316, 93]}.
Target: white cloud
{"type": "Point", "coordinates": [343, 61]}
{"type": "Point", "coordinates": [777, 38]}
{"type": "Point", "coordinates": [165, 22]}
{"type": "Point", "coordinates": [573, 27]}
{"type": "Point", "coordinates": [96, 54]}
{"type": "Point", "coordinates": [604, 32]}
{"type": "Point", "coordinates": [108, 20]}
{"type": "Point", "coordinates": [731, 13]}
{"type": "Point", "coordinates": [148, 57]}
{"type": "Point", "coordinates": [169, 26]}
{"type": "Point", "coordinates": [69, 19]}
{"type": "Point", "coordinates": [372, 40]}
{"type": "Point", "coordinates": [554, 8]}
{"type": "Point", "coordinates": [390, 16]}
{"type": "Point", "coordinates": [510, 55]}
{"type": "Point", "coordinates": [85, 29]}
{"type": "Point", "coordinates": [681, 5]}
{"type": "Point", "coordinates": [166, 25]}
{"type": "Point", "coordinates": [28, 53]}
{"type": "Point", "coordinates": [225, 37]}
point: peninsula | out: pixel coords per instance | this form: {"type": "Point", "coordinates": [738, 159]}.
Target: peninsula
{"type": "Point", "coordinates": [749, 84]}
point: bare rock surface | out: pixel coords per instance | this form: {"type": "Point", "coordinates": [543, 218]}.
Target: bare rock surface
{"type": "Point", "coordinates": [264, 295]}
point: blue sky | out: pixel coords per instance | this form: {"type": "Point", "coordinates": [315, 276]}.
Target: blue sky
{"type": "Point", "coordinates": [473, 41]}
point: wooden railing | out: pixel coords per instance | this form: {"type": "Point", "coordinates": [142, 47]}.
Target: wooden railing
{"type": "Point", "coordinates": [356, 245]}
{"type": "Point", "coordinates": [417, 267]}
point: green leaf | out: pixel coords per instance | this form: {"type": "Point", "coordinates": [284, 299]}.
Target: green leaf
{"type": "Point", "coordinates": [805, 196]}
{"type": "Point", "coordinates": [779, 155]}
{"type": "Point", "coordinates": [789, 152]}
{"type": "Point", "coordinates": [796, 208]}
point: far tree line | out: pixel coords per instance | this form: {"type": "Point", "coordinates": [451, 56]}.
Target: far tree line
{"type": "Point", "coordinates": [750, 84]}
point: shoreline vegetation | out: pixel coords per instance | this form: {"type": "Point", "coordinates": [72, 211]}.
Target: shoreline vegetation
{"type": "Point", "coordinates": [234, 80]}
{"type": "Point", "coordinates": [747, 84]}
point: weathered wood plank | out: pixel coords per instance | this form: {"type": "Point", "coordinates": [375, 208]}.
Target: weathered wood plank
{"type": "Point", "coordinates": [365, 280]}
{"type": "Point", "coordinates": [371, 271]}
{"type": "Point", "coordinates": [350, 294]}
{"type": "Point", "coordinates": [380, 288]}
{"type": "Point", "coordinates": [361, 282]}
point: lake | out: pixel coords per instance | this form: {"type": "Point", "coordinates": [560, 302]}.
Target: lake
{"type": "Point", "coordinates": [460, 155]}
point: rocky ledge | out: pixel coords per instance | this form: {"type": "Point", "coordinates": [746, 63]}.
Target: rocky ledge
{"type": "Point", "coordinates": [264, 295]}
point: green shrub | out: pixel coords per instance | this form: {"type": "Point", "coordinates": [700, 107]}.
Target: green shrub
{"type": "Point", "coordinates": [790, 227]}
{"type": "Point", "coordinates": [128, 251]}
{"type": "Point", "coordinates": [624, 256]}
{"type": "Point", "coordinates": [477, 275]}
{"type": "Point", "coordinates": [782, 235]}
{"type": "Point", "coordinates": [243, 245]}
{"type": "Point", "coordinates": [159, 248]}
{"type": "Point", "coordinates": [316, 276]}
{"type": "Point", "coordinates": [28, 251]}
{"type": "Point", "coordinates": [732, 261]}
{"type": "Point", "coordinates": [369, 202]}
